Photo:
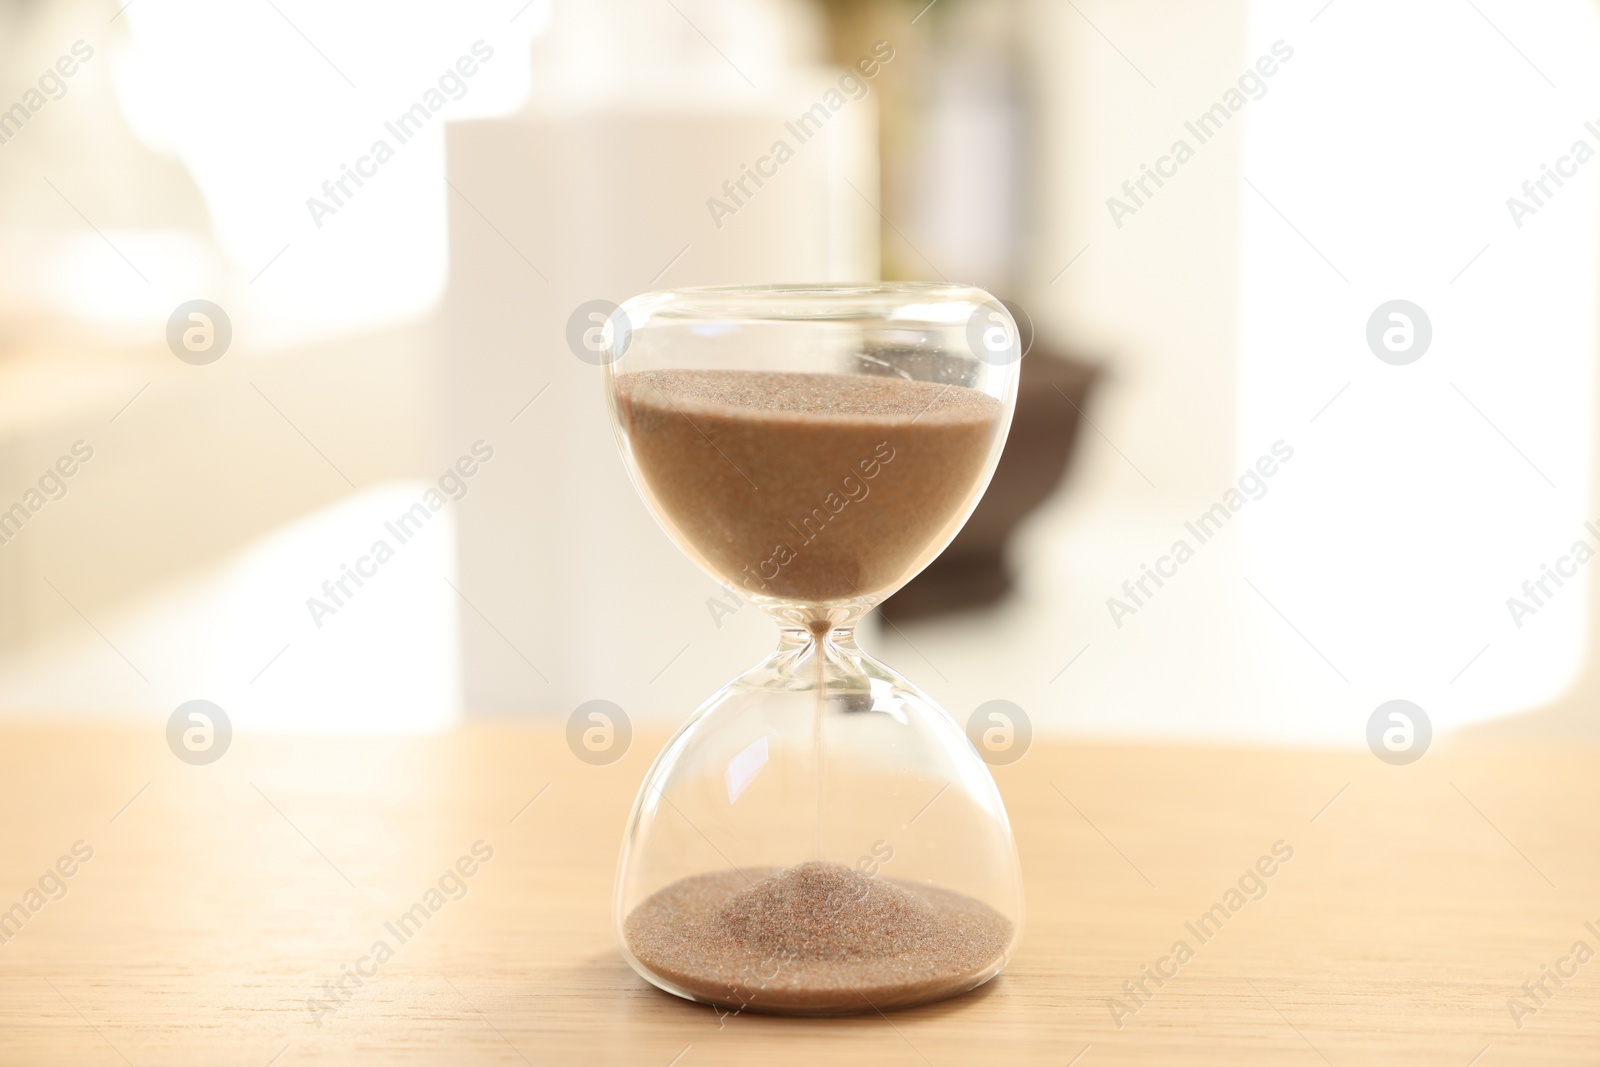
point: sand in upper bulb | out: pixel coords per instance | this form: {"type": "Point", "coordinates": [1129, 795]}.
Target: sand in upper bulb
{"type": "Point", "coordinates": [807, 487]}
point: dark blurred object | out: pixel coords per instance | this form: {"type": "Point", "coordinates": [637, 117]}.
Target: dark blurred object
{"type": "Point", "coordinates": [1052, 394]}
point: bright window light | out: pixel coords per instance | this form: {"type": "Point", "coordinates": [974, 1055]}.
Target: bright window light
{"type": "Point", "coordinates": [1422, 496]}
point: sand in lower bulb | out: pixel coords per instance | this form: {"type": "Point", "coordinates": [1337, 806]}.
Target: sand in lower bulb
{"type": "Point", "coordinates": [815, 939]}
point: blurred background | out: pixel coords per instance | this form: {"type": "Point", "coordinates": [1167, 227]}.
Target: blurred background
{"type": "Point", "coordinates": [1199, 211]}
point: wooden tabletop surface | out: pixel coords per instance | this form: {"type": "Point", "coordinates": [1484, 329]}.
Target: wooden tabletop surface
{"type": "Point", "coordinates": [211, 911]}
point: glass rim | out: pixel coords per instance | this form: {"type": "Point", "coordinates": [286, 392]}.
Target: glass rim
{"type": "Point", "coordinates": [911, 302]}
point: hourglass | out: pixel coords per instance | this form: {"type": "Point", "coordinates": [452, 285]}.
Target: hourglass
{"type": "Point", "coordinates": [820, 837]}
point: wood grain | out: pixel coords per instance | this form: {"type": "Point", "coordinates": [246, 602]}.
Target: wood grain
{"type": "Point", "coordinates": [220, 899]}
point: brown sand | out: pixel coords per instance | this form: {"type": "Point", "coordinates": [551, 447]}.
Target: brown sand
{"type": "Point", "coordinates": [807, 487]}
{"type": "Point", "coordinates": [815, 939]}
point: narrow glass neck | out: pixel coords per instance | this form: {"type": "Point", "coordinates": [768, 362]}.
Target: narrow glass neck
{"type": "Point", "coordinates": [796, 638]}
{"type": "Point", "coordinates": [808, 619]}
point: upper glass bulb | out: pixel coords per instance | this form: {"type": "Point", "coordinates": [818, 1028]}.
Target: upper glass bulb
{"type": "Point", "coordinates": [813, 447]}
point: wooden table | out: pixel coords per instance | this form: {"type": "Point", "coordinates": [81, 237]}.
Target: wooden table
{"type": "Point", "coordinates": [220, 899]}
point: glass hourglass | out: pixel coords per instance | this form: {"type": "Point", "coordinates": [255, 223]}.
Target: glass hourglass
{"type": "Point", "coordinates": [820, 837]}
